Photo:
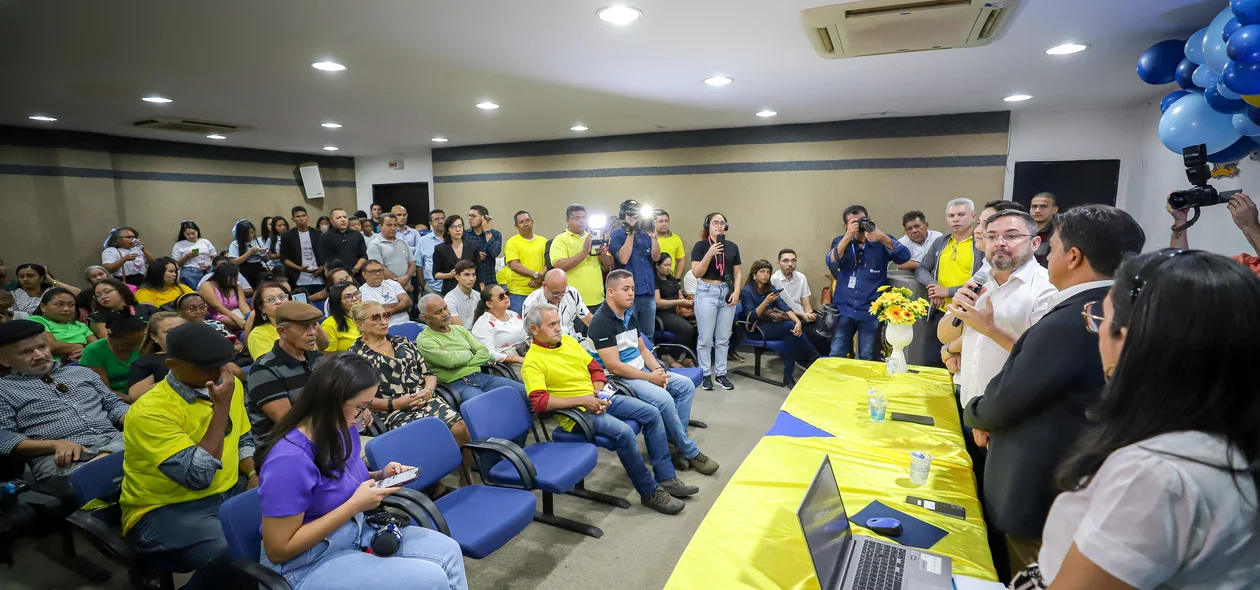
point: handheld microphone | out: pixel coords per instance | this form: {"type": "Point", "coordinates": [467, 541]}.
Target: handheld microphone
{"type": "Point", "coordinates": [980, 279]}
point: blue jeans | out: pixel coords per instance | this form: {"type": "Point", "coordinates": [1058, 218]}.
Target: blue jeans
{"type": "Point", "coordinates": [645, 315]}
{"type": "Point", "coordinates": [190, 276]}
{"type": "Point", "coordinates": [426, 559]}
{"type": "Point", "coordinates": [674, 404]}
{"type": "Point", "coordinates": [714, 321]}
{"type": "Point", "coordinates": [478, 383]}
{"type": "Point", "coordinates": [516, 302]}
{"type": "Point", "coordinates": [188, 536]}
{"type": "Point", "coordinates": [797, 350]}
{"type": "Point", "coordinates": [611, 425]}
{"type": "Point", "coordinates": [867, 332]}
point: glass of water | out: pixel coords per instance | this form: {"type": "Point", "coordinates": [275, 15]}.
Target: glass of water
{"type": "Point", "coordinates": [877, 405]}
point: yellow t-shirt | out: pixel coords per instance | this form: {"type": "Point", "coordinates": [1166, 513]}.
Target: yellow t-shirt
{"type": "Point", "coordinates": [161, 424]}
{"type": "Point", "coordinates": [261, 340]}
{"type": "Point", "coordinates": [673, 245]}
{"type": "Point", "coordinates": [953, 266]}
{"type": "Point", "coordinates": [339, 341]}
{"type": "Point", "coordinates": [560, 371]}
{"type": "Point", "coordinates": [160, 298]}
{"type": "Point", "coordinates": [588, 276]}
{"type": "Point", "coordinates": [531, 253]}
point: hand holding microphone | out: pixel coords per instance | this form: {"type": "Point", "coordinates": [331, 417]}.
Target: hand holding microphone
{"type": "Point", "coordinates": [970, 292]}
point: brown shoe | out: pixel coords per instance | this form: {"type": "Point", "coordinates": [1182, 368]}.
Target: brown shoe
{"type": "Point", "coordinates": [734, 356]}
{"type": "Point", "coordinates": [703, 464]}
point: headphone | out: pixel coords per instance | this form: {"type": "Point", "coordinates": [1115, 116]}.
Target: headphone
{"type": "Point", "coordinates": [708, 218]}
{"type": "Point", "coordinates": [388, 537]}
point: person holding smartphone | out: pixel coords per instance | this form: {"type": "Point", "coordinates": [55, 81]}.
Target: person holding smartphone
{"type": "Point", "coordinates": [716, 265]}
{"type": "Point", "coordinates": [193, 253]}
{"type": "Point", "coordinates": [768, 315]}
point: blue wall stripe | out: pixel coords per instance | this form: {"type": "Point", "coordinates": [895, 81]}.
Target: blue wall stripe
{"type": "Point", "coordinates": [738, 167]}
{"type": "Point", "coordinates": [896, 127]}
{"type": "Point", "coordinates": [24, 170]}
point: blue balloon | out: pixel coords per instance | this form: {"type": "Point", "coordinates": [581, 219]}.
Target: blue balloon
{"type": "Point", "coordinates": [1247, 11]}
{"type": "Point", "coordinates": [1190, 121]}
{"type": "Point", "coordinates": [1226, 92]}
{"type": "Point", "coordinates": [1214, 42]}
{"type": "Point", "coordinates": [1158, 65]}
{"type": "Point", "coordinates": [1221, 104]}
{"type": "Point", "coordinates": [1171, 98]}
{"type": "Point", "coordinates": [1243, 78]}
{"type": "Point", "coordinates": [1184, 74]}
{"type": "Point", "coordinates": [1239, 150]}
{"type": "Point", "coordinates": [1194, 47]}
{"type": "Point", "coordinates": [1204, 77]}
{"type": "Point", "coordinates": [1245, 125]}
{"type": "Point", "coordinates": [1244, 46]}
{"type": "Point", "coordinates": [1230, 27]}
{"type": "Point", "coordinates": [1253, 114]}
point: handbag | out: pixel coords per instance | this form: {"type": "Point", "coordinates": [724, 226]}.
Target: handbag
{"type": "Point", "coordinates": [826, 321]}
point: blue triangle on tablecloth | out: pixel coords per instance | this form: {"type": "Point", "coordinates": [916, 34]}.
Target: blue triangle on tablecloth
{"type": "Point", "coordinates": [788, 425]}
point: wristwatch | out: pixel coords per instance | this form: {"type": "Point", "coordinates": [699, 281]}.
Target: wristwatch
{"type": "Point", "coordinates": [252, 474]}
{"type": "Point", "coordinates": [537, 274]}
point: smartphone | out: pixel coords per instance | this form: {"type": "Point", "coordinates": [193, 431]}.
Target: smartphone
{"type": "Point", "coordinates": [607, 392]}
{"type": "Point", "coordinates": [913, 418]}
{"type": "Point", "coordinates": [721, 238]}
{"type": "Point", "coordinates": [196, 251]}
{"type": "Point", "coordinates": [945, 508]}
{"type": "Point", "coordinates": [394, 481]}
{"type": "Point", "coordinates": [775, 290]}
{"type": "Point", "coordinates": [301, 297]}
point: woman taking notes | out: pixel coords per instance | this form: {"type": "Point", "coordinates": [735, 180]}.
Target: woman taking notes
{"type": "Point", "coordinates": [715, 262]}
{"type": "Point", "coordinates": [314, 489]}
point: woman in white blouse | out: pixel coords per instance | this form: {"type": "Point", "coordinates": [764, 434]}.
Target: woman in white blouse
{"type": "Point", "coordinates": [498, 328]}
{"type": "Point", "coordinates": [1162, 493]}
{"type": "Point", "coordinates": [125, 257]}
{"type": "Point", "coordinates": [192, 253]}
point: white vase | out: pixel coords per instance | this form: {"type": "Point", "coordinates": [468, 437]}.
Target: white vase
{"type": "Point", "coordinates": [899, 336]}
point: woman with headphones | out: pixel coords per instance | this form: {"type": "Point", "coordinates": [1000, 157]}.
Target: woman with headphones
{"type": "Point", "coordinates": [715, 263]}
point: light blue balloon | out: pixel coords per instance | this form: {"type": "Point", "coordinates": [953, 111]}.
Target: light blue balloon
{"type": "Point", "coordinates": [1214, 43]}
{"type": "Point", "coordinates": [1194, 46]}
{"type": "Point", "coordinates": [1191, 121]}
{"type": "Point", "coordinates": [1245, 126]}
{"type": "Point", "coordinates": [1204, 77]}
{"type": "Point", "coordinates": [1226, 92]}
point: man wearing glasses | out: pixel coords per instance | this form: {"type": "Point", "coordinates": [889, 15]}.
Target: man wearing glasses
{"type": "Point", "coordinates": [859, 262]}
{"type": "Point", "coordinates": [1035, 406]}
{"type": "Point", "coordinates": [56, 417]}
{"type": "Point", "coordinates": [568, 302]}
{"type": "Point", "coordinates": [276, 380]}
{"type": "Point", "coordinates": [387, 292]}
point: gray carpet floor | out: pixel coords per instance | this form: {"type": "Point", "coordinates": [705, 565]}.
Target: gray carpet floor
{"type": "Point", "coordinates": [639, 547]}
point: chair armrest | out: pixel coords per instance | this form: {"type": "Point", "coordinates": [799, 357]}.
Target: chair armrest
{"type": "Point", "coordinates": [505, 370]}
{"type": "Point", "coordinates": [671, 345]}
{"type": "Point", "coordinates": [581, 424]}
{"type": "Point", "coordinates": [106, 540]}
{"type": "Point", "coordinates": [449, 395]}
{"type": "Point", "coordinates": [434, 516]}
{"type": "Point", "coordinates": [510, 452]}
{"type": "Point", "coordinates": [621, 386]}
{"type": "Point", "coordinates": [258, 574]}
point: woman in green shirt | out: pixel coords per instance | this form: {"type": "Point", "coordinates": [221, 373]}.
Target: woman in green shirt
{"type": "Point", "coordinates": [66, 335]}
{"type": "Point", "coordinates": [111, 357]}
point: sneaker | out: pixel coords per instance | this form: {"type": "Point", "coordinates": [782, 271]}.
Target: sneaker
{"type": "Point", "coordinates": [707, 384]}
{"type": "Point", "coordinates": [662, 502]}
{"type": "Point", "coordinates": [724, 382]}
{"type": "Point", "coordinates": [677, 488]}
{"type": "Point", "coordinates": [703, 464]}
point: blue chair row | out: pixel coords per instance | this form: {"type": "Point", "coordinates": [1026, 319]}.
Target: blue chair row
{"type": "Point", "coordinates": [757, 340]}
{"type": "Point", "coordinates": [408, 330]}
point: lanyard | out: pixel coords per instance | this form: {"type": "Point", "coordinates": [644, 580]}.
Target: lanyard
{"type": "Point", "coordinates": [719, 260]}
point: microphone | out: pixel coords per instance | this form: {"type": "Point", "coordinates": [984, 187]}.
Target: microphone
{"type": "Point", "coordinates": [980, 279]}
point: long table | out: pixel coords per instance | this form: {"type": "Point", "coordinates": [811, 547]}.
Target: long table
{"type": "Point", "coordinates": [751, 538]}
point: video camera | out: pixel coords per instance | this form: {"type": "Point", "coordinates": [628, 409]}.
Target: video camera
{"type": "Point", "coordinates": [1201, 194]}
{"type": "Point", "coordinates": [644, 216]}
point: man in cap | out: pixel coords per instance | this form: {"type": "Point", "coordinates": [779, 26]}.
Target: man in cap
{"type": "Point", "coordinates": [188, 450]}
{"type": "Point", "coordinates": [56, 417]}
{"type": "Point", "coordinates": [276, 380]}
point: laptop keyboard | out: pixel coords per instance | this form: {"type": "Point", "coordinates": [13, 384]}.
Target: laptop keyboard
{"type": "Point", "coordinates": [879, 568]}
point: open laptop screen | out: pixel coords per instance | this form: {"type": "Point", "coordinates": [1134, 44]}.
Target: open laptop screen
{"type": "Point", "coordinates": [826, 526]}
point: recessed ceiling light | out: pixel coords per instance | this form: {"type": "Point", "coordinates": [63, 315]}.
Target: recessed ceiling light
{"type": "Point", "coordinates": [1067, 49]}
{"type": "Point", "coordinates": [579, 127]}
{"type": "Point", "coordinates": [1018, 97]}
{"type": "Point", "coordinates": [331, 125]}
{"type": "Point", "coordinates": [157, 99]}
{"type": "Point", "coordinates": [216, 136]}
{"type": "Point", "coordinates": [487, 106]}
{"type": "Point", "coordinates": [330, 148]}
{"type": "Point", "coordinates": [767, 113]}
{"type": "Point", "coordinates": [440, 140]}
{"type": "Point", "coordinates": [718, 81]}
{"type": "Point", "coordinates": [42, 118]}
{"type": "Point", "coordinates": [328, 66]}
{"type": "Point", "coordinates": [619, 15]}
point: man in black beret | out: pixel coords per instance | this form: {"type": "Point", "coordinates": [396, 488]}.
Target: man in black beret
{"type": "Point", "coordinates": [57, 417]}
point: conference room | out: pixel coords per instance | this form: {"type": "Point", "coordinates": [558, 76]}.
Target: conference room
{"type": "Point", "coordinates": [689, 295]}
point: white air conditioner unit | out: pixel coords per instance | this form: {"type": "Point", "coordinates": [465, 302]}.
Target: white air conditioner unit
{"type": "Point", "coordinates": [877, 27]}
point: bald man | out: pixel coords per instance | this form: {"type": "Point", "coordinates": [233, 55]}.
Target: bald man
{"type": "Point", "coordinates": [556, 291]}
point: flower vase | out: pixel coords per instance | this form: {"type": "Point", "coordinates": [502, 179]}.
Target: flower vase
{"type": "Point", "coordinates": [899, 336]}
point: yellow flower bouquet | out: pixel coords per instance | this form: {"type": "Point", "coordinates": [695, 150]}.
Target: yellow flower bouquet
{"type": "Point", "coordinates": [896, 306]}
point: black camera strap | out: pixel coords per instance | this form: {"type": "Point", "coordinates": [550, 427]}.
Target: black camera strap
{"type": "Point", "coordinates": [1189, 222]}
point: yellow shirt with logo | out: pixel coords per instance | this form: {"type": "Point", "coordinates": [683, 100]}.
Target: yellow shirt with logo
{"type": "Point", "coordinates": [532, 254]}
{"type": "Point", "coordinates": [954, 265]}
{"type": "Point", "coordinates": [588, 276]}
{"type": "Point", "coordinates": [561, 372]}
{"type": "Point", "coordinates": [161, 424]}
{"type": "Point", "coordinates": [673, 245]}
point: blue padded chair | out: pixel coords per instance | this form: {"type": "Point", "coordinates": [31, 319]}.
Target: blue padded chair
{"type": "Point", "coordinates": [499, 415]}
{"type": "Point", "coordinates": [695, 374]}
{"type": "Point", "coordinates": [756, 339]}
{"type": "Point", "coordinates": [321, 305]}
{"type": "Point", "coordinates": [408, 330]}
{"type": "Point", "coordinates": [582, 429]}
{"type": "Point", "coordinates": [480, 518]}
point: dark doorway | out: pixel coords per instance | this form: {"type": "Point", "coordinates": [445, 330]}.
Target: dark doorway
{"type": "Point", "coordinates": [412, 195]}
{"type": "Point", "coordinates": [1077, 182]}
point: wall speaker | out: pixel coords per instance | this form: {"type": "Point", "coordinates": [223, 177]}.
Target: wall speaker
{"type": "Point", "coordinates": [312, 183]}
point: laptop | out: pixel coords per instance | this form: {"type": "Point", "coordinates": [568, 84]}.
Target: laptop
{"type": "Point", "coordinates": [847, 562]}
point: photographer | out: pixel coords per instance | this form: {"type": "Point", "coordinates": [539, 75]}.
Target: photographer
{"type": "Point", "coordinates": [635, 247]}
{"type": "Point", "coordinates": [859, 262]}
{"type": "Point", "coordinates": [1245, 216]}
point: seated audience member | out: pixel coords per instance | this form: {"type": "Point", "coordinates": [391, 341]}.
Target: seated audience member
{"type": "Point", "coordinates": [7, 283]}
{"type": "Point", "coordinates": [192, 307]}
{"type": "Point", "coordinates": [56, 417]}
{"type": "Point", "coordinates": [1162, 490]}
{"type": "Point", "coordinates": [111, 357]}
{"type": "Point", "coordinates": [333, 273]}
{"type": "Point", "coordinates": [276, 379]}
{"type": "Point", "coordinates": [525, 255]}
{"type": "Point", "coordinates": [1034, 408]}
{"type": "Point", "coordinates": [386, 292]}
{"type": "Point", "coordinates": [572, 252]}
{"type": "Point", "coordinates": [393, 253]}
{"type": "Point", "coordinates": [447, 254]}
{"type": "Point", "coordinates": [192, 253]}
{"type": "Point", "coordinates": [796, 294]}
{"type": "Point", "coordinates": [248, 257]}
{"type": "Point", "coordinates": [560, 374]}
{"type": "Point", "coordinates": [339, 326]}
{"type": "Point", "coordinates": [33, 280]}
{"type": "Point", "coordinates": [498, 328]}
{"type": "Point", "coordinates": [188, 450]}
{"type": "Point", "coordinates": [262, 335]}
{"type": "Point", "coordinates": [66, 335]}
{"type": "Point", "coordinates": [220, 260]}
{"type": "Point", "coordinates": [125, 257]}
{"type": "Point", "coordinates": [339, 243]}
{"type": "Point", "coordinates": [97, 273]}
{"type": "Point", "coordinates": [111, 297]}
{"type": "Point", "coordinates": [917, 240]}
{"type": "Point", "coordinates": [323, 224]}
{"type": "Point", "coordinates": [1245, 215]}
{"type": "Point", "coordinates": [315, 489]}
{"type": "Point", "coordinates": [150, 367]}
{"type": "Point", "coordinates": [623, 353]}
{"type": "Point", "coordinates": [859, 262]}
{"type": "Point", "coordinates": [6, 308]}
{"type": "Point", "coordinates": [455, 355]}
{"type": "Point", "coordinates": [676, 312]}
{"type": "Point", "coordinates": [568, 300]}
{"type": "Point", "coordinates": [463, 300]}
{"type": "Point", "coordinates": [225, 297]}
{"type": "Point", "coordinates": [161, 284]}
{"type": "Point", "coordinates": [771, 315]}
{"type": "Point", "coordinates": [300, 254]}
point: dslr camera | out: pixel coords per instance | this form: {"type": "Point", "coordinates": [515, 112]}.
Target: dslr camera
{"type": "Point", "coordinates": [1201, 194]}
{"type": "Point", "coordinates": [644, 216]}
{"type": "Point", "coordinates": [866, 225]}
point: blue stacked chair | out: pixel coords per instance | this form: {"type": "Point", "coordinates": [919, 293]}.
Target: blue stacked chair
{"type": "Point", "coordinates": [408, 330]}
{"type": "Point", "coordinates": [756, 339]}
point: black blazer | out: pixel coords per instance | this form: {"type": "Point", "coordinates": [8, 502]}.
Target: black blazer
{"type": "Point", "coordinates": [1034, 411]}
{"type": "Point", "coordinates": [291, 249]}
{"type": "Point", "coordinates": [444, 260]}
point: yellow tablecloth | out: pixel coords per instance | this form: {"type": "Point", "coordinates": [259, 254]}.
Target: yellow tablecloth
{"type": "Point", "coordinates": [751, 537]}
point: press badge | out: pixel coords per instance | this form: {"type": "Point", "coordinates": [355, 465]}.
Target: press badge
{"type": "Point", "coordinates": [853, 281]}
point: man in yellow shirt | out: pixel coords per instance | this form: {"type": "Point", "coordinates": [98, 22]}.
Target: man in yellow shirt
{"type": "Point", "coordinates": [949, 262]}
{"type": "Point", "coordinates": [671, 244]}
{"type": "Point", "coordinates": [188, 449]}
{"type": "Point", "coordinates": [572, 252]}
{"type": "Point", "coordinates": [526, 255]}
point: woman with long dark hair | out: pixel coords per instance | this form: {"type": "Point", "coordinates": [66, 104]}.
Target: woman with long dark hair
{"type": "Point", "coordinates": [447, 254]}
{"type": "Point", "coordinates": [279, 225]}
{"type": "Point", "coordinates": [66, 334]}
{"type": "Point", "coordinates": [33, 280]}
{"type": "Point", "coordinates": [314, 489]}
{"type": "Point", "coordinates": [676, 312]}
{"type": "Point", "coordinates": [768, 313]}
{"type": "Point", "coordinates": [161, 284]}
{"type": "Point", "coordinates": [225, 297]}
{"type": "Point", "coordinates": [110, 297]}
{"type": "Point", "coordinates": [715, 262]}
{"type": "Point", "coordinates": [192, 253]}
{"type": "Point", "coordinates": [340, 327]}
{"type": "Point", "coordinates": [1162, 492]}
{"type": "Point", "coordinates": [323, 224]}
{"type": "Point", "coordinates": [151, 367]}
{"type": "Point", "coordinates": [245, 253]}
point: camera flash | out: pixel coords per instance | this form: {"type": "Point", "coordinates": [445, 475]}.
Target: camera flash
{"type": "Point", "coordinates": [597, 221]}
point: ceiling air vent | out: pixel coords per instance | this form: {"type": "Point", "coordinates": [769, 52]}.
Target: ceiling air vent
{"type": "Point", "coordinates": [183, 125]}
{"type": "Point", "coordinates": [877, 27]}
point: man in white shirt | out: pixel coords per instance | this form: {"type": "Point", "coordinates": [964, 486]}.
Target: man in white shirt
{"type": "Point", "coordinates": [918, 238]}
{"type": "Point", "coordinates": [297, 249]}
{"type": "Point", "coordinates": [796, 294]}
{"type": "Point", "coordinates": [463, 299]}
{"type": "Point", "coordinates": [392, 252]}
{"type": "Point", "coordinates": [556, 291]}
{"type": "Point", "coordinates": [386, 292]}
{"type": "Point", "coordinates": [424, 249]}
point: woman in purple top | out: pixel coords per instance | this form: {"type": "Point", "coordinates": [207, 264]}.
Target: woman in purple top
{"type": "Point", "coordinates": [314, 488]}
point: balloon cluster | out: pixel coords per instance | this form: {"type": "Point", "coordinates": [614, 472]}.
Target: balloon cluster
{"type": "Point", "coordinates": [1218, 70]}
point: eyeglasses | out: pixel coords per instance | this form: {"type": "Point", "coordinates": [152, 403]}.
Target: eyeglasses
{"type": "Point", "coordinates": [276, 299]}
{"type": "Point", "coordinates": [953, 255]}
{"type": "Point", "coordinates": [203, 307]}
{"type": "Point", "coordinates": [373, 271]}
{"type": "Point", "coordinates": [1006, 238]}
{"type": "Point", "coordinates": [356, 296]}
{"type": "Point", "coordinates": [104, 292]}
{"type": "Point", "coordinates": [1093, 322]}
{"type": "Point", "coordinates": [361, 409]}
{"type": "Point", "coordinates": [59, 386]}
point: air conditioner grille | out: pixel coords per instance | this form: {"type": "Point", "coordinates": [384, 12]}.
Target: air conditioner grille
{"type": "Point", "coordinates": [881, 27]}
{"type": "Point", "coordinates": [906, 8]}
{"type": "Point", "coordinates": [184, 125]}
